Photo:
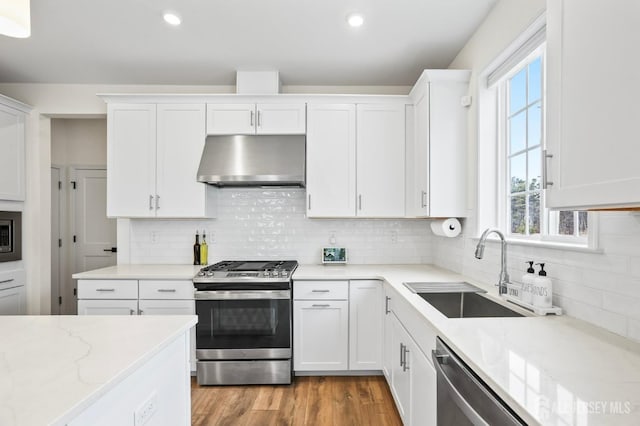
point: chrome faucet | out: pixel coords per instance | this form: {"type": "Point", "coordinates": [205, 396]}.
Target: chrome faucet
{"type": "Point", "coordinates": [503, 280]}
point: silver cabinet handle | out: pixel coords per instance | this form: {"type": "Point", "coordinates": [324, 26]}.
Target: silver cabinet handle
{"type": "Point", "coordinates": [157, 202]}
{"type": "Point", "coordinates": [326, 305]}
{"type": "Point", "coordinates": [107, 290]}
{"type": "Point", "coordinates": [166, 290]}
{"type": "Point", "coordinates": [320, 291]}
{"type": "Point", "coordinates": [259, 118]}
{"type": "Point", "coordinates": [309, 202]}
{"type": "Point", "coordinates": [386, 305]}
{"type": "Point", "coordinates": [401, 355]}
{"type": "Point", "coordinates": [150, 202]}
{"type": "Point", "coordinates": [251, 119]}
{"type": "Point", "coordinates": [131, 312]}
{"type": "Point", "coordinates": [405, 367]}
{"type": "Point", "coordinates": [545, 178]}
{"type": "Point", "coordinates": [359, 201]}
{"type": "Point", "coordinates": [423, 199]}
{"type": "Point", "coordinates": [6, 281]}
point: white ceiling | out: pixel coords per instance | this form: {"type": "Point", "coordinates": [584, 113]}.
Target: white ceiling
{"type": "Point", "coordinates": [308, 41]}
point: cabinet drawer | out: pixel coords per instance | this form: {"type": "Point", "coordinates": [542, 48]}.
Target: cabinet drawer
{"type": "Point", "coordinates": [107, 289]}
{"type": "Point", "coordinates": [321, 290]}
{"type": "Point", "coordinates": [166, 289]}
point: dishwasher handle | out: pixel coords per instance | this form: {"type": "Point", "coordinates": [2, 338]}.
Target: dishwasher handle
{"type": "Point", "coordinates": [457, 397]}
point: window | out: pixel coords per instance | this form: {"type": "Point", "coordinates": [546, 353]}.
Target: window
{"type": "Point", "coordinates": [511, 145]}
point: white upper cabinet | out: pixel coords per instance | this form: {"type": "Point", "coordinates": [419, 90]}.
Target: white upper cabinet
{"type": "Point", "coordinates": [380, 160]}
{"type": "Point", "coordinates": [592, 115]}
{"type": "Point", "coordinates": [437, 145]}
{"type": "Point", "coordinates": [250, 118]}
{"type": "Point", "coordinates": [12, 149]}
{"type": "Point", "coordinates": [331, 160]}
{"type": "Point", "coordinates": [153, 154]}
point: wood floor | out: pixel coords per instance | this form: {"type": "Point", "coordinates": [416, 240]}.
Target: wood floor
{"type": "Point", "coordinates": [318, 401]}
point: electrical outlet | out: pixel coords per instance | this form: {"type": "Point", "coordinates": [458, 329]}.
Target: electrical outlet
{"type": "Point", "coordinates": [394, 236]}
{"type": "Point", "coordinates": [332, 238]}
{"type": "Point", "coordinates": [146, 410]}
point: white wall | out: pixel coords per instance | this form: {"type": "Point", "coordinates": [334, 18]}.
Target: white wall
{"type": "Point", "coordinates": [602, 288]}
{"type": "Point", "coordinates": [79, 142]}
{"type": "Point", "coordinates": [271, 224]}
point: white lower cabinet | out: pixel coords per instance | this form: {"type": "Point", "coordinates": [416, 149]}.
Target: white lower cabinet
{"type": "Point", "coordinates": [409, 372]}
{"type": "Point", "coordinates": [143, 297]}
{"type": "Point", "coordinates": [337, 325]}
{"type": "Point", "coordinates": [12, 293]}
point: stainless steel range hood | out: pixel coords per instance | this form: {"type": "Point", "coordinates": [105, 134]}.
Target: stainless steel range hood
{"type": "Point", "coordinates": [247, 160]}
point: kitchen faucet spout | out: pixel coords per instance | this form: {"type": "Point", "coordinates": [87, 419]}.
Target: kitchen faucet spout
{"type": "Point", "coordinates": [503, 280]}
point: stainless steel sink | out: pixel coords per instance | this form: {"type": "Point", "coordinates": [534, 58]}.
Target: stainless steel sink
{"type": "Point", "coordinates": [460, 300]}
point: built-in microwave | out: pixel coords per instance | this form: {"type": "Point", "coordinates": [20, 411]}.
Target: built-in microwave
{"type": "Point", "coordinates": [10, 236]}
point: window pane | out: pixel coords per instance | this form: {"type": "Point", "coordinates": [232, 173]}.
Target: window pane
{"type": "Point", "coordinates": [534, 213]}
{"type": "Point", "coordinates": [534, 128]}
{"type": "Point", "coordinates": [518, 91]}
{"type": "Point", "coordinates": [518, 210]}
{"type": "Point", "coordinates": [535, 80]}
{"type": "Point", "coordinates": [582, 224]}
{"type": "Point", "coordinates": [565, 223]}
{"type": "Point", "coordinates": [518, 173]}
{"type": "Point", "coordinates": [535, 165]}
{"type": "Point", "coordinates": [518, 132]}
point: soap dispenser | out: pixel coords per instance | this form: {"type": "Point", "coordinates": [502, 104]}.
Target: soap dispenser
{"type": "Point", "coordinates": [542, 289]}
{"type": "Point", "coordinates": [527, 283]}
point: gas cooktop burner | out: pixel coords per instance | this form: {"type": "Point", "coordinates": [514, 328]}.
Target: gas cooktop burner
{"type": "Point", "coordinates": [251, 270]}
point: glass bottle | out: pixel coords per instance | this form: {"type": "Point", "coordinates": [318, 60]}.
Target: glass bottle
{"type": "Point", "coordinates": [196, 250]}
{"type": "Point", "coordinates": [204, 250]}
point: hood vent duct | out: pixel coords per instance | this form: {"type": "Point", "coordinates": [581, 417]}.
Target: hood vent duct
{"type": "Point", "coordinates": [250, 160]}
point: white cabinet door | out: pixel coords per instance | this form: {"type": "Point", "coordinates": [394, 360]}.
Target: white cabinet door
{"type": "Point", "coordinates": [424, 397]}
{"type": "Point", "coordinates": [281, 119]}
{"type": "Point", "coordinates": [437, 150]}
{"type": "Point", "coordinates": [231, 119]}
{"type": "Point", "coordinates": [331, 161]}
{"type": "Point", "coordinates": [107, 307]}
{"type": "Point", "coordinates": [180, 141]}
{"type": "Point", "coordinates": [365, 322]}
{"type": "Point", "coordinates": [380, 160]}
{"type": "Point", "coordinates": [400, 377]}
{"type": "Point", "coordinates": [321, 335]}
{"type": "Point", "coordinates": [131, 160]}
{"type": "Point", "coordinates": [12, 301]}
{"type": "Point", "coordinates": [592, 116]}
{"type": "Point", "coordinates": [12, 160]}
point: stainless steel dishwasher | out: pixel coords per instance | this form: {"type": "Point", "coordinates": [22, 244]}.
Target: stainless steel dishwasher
{"type": "Point", "coordinates": [463, 398]}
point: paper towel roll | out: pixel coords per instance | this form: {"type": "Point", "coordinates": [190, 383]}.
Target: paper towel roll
{"type": "Point", "coordinates": [446, 227]}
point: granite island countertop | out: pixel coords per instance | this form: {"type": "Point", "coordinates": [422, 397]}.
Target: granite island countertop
{"type": "Point", "coordinates": [52, 368]}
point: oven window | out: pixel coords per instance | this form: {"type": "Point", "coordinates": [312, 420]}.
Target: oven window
{"type": "Point", "coordinates": [243, 324]}
{"type": "Point", "coordinates": [5, 236]}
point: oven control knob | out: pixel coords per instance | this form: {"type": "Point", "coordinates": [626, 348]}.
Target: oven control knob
{"type": "Point", "coordinates": [209, 273]}
{"type": "Point", "coordinates": [284, 273]}
{"type": "Point", "coordinates": [201, 274]}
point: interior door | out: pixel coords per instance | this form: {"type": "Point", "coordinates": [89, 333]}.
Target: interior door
{"type": "Point", "coordinates": [94, 233]}
{"type": "Point", "coordinates": [55, 240]}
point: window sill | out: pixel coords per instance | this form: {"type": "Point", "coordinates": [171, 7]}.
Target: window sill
{"type": "Point", "coordinates": [554, 245]}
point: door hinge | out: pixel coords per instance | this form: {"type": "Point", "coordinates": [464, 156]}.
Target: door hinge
{"type": "Point", "coordinates": [73, 184]}
{"type": "Point", "coordinates": [74, 239]}
{"type": "Point", "coordinates": [75, 291]}
{"type": "Point", "coordinates": [59, 300]}
{"type": "Point", "coordinates": [59, 185]}
{"type": "Point", "coordinates": [59, 242]}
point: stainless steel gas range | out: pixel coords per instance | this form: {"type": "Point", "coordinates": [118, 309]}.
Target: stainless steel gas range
{"type": "Point", "coordinates": [243, 335]}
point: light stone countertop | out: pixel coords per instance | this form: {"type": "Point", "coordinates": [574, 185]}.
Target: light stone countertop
{"type": "Point", "coordinates": [550, 370]}
{"type": "Point", "coordinates": [54, 367]}
{"type": "Point", "coordinates": [553, 370]}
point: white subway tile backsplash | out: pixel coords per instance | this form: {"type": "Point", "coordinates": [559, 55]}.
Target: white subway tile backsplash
{"type": "Point", "coordinates": [601, 288]}
{"type": "Point", "coordinates": [263, 223]}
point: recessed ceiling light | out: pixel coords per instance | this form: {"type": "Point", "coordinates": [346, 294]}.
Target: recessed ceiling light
{"type": "Point", "coordinates": [172, 19]}
{"type": "Point", "coordinates": [355, 20]}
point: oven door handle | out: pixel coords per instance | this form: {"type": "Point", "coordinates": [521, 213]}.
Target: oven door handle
{"type": "Point", "coordinates": [242, 294]}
